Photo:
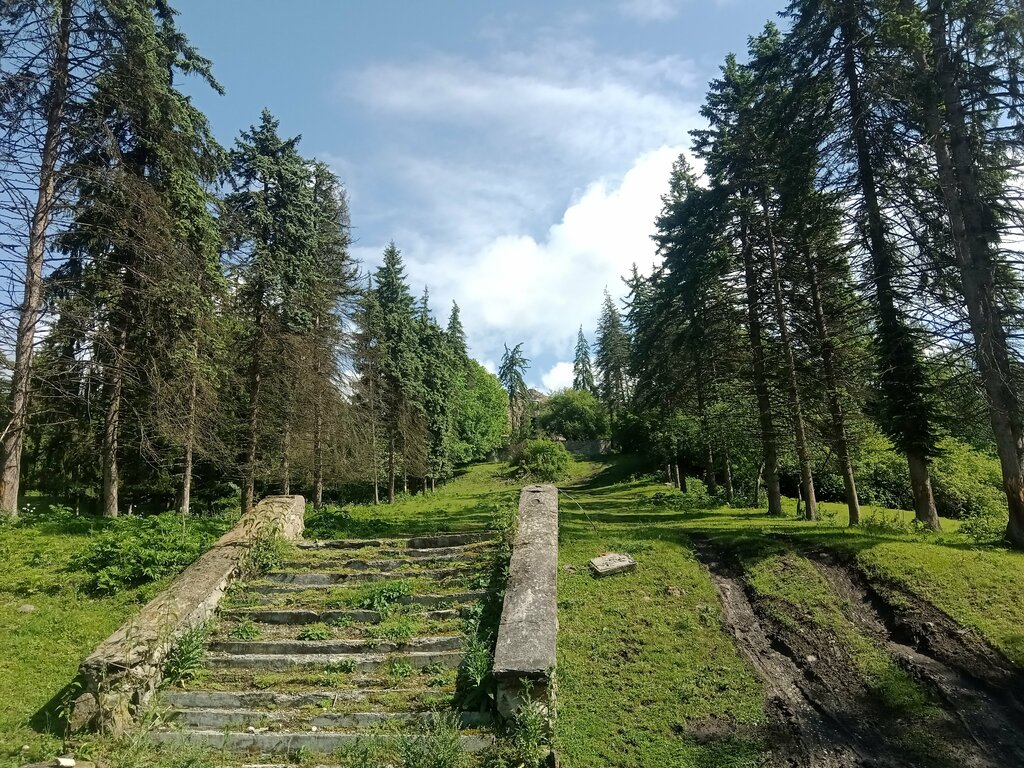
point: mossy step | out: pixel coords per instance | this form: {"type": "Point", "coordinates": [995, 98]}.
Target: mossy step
{"type": "Point", "coordinates": [245, 718]}
{"type": "Point", "coordinates": [335, 647]}
{"type": "Point", "coordinates": [292, 594]}
{"type": "Point", "coordinates": [291, 742]}
{"type": "Point", "coordinates": [445, 540]}
{"type": "Point", "coordinates": [385, 563]}
{"type": "Point", "coordinates": [348, 662]}
{"type": "Point", "coordinates": [327, 699]}
{"type": "Point", "coordinates": [327, 578]}
{"type": "Point", "coordinates": [302, 680]}
{"type": "Point", "coordinates": [300, 616]}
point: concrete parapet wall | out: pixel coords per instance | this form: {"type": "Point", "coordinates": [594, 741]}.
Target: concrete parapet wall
{"type": "Point", "coordinates": [524, 657]}
{"type": "Point", "coordinates": [126, 668]}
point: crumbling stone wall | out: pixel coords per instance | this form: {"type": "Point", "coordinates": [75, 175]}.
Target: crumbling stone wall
{"type": "Point", "coordinates": [119, 677]}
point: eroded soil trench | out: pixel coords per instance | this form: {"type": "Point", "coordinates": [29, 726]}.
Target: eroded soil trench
{"type": "Point", "coordinates": [822, 712]}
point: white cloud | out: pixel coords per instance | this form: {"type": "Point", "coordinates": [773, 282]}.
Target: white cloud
{"type": "Point", "coordinates": [650, 10]}
{"type": "Point", "coordinates": [527, 182]}
{"type": "Point", "coordinates": [559, 377]}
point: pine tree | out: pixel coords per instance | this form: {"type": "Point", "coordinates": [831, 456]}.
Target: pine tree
{"type": "Point", "coordinates": [512, 374]}
{"type": "Point", "coordinates": [582, 368]}
{"type": "Point", "coordinates": [270, 216]}
{"type": "Point", "coordinates": [611, 356]}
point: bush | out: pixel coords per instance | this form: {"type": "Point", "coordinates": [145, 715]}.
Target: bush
{"type": "Point", "coordinates": [133, 551]}
{"type": "Point", "coordinates": [574, 415]}
{"type": "Point", "coordinates": [543, 460]}
{"type": "Point", "coordinates": [327, 522]}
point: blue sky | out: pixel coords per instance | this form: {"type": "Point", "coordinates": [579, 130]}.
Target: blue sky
{"type": "Point", "coordinates": [516, 153]}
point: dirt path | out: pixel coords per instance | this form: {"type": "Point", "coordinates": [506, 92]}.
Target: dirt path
{"type": "Point", "coordinates": [824, 716]}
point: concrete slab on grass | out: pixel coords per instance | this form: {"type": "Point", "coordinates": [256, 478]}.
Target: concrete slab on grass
{"type": "Point", "coordinates": [611, 564]}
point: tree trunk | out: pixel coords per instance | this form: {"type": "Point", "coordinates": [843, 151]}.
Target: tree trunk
{"type": "Point", "coordinates": [921, 484]}
{"type": "Point", "coordinates": [973, 241]}
{"type": "Point", "coordinates": [669, 475]}
{"type": "Point", "coordinates": [835, 401]}
{"type": "Point", "coordinates": [795, 407]}
{"type": "Point", "coordinates": [901, 372]}
{"type": "Point", "coordinates": [31, 308]}
{"type": "Point", "coordinates": [680, 479]}
{"type": "Point", "coordinates": [249, 482]}
{"type": "Point", "coordinates": [286, 467]}
{"type": "Point", "coordinates": [391, 471]}
{"type": "Point", "coordinates": [770, 470]}
{"type": "Point", "coordinates": [112, 429]}
{"type": "Point", "coordinates": [185, 495]}
{"type": "Point", "coordinates": [727, 471]}
{"type": "Point", "coordinates": [318, 437]}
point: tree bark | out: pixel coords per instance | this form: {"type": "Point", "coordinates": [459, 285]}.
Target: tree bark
{"type": "Point", "coordinates": [256, 380]}
{"type": "Point", "coordinates": [973, 241]}
{"type": "Point", "coordinates": [795, 407]}
{"type": "Point", "coordinates": [835, 401]}
{"type": "Point", "coordinates": [31, 308]}
{"type": "Point", "coordinates": [391, 471]}
{"type": "Point", "coordinates": [185, 496]}
{"type": "Point", "coordinates": [730, 496]}
{"type": "Point", "coordinates": [112, 429]}
{"type": "Point", "coordinates": [897, 346]}
{"type": "Point", "coordinates": [286, 467]}
{"type": "Point", "coordinates": [770, 470]}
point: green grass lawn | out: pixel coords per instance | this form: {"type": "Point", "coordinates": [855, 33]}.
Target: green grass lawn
{"type": "Point", "coordinates": [49, 622]}
{"type": "Point", "coordinates": [646, 669]}
{"type": "Point", "coordinates": [644, 663]}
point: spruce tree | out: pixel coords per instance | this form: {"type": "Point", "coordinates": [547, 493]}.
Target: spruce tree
{"type": "Point", "coordinates": [582, 367]}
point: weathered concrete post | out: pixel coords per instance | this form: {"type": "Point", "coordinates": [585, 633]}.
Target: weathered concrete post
{"type": "Point", "coordinates": [524, 658]}
{"type": "Point", "coordinates": [124, 671]}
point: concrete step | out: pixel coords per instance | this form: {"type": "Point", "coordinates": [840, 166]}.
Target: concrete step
{"type": "Point", "coordinates": [326, 579]}
{"type": "Point", "coordinates": [409, 559]}
{"type": "Point", "coordinates": [257, 718]}
{"type": "Point", "coordinates": [292, 742]}
{"type": "Point", "coordinates": [334, 647]}
{"type": "Point", "coordinates": [180, 699]}
{"type": "Point", "coordinates": [300, 616]}
{"type": "Point", "coordinates": [350, 662]}
{"type": "Point", "coordinates": [343, 543]}
{"type": "Point", "coordinates": [269, 593]}
{"type": "Point", "coordinates": [445, 540]}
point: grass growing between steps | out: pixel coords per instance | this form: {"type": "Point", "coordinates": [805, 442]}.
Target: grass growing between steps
{"type": "Point", "coordinates": [50, 619]}
{"type": "Point", "coordinates": [647, 673]}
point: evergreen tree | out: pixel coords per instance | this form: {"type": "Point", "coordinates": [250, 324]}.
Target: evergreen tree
{"type": "Point", "coordinates": [612, 360]}
{"type": "Point", "coordinates": [582, 368]}
{"type": "Point", "coordinates": [270, 216]}
{"type": "Point", "coordinates": [512, 374]}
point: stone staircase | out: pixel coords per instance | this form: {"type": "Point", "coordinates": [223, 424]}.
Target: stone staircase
{"type": "Point", "coordinates": [347, 641]}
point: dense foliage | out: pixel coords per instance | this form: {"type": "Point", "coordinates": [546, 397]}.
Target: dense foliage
{"type": "Point", "coordinates": [204, 326]}
{"type": "Point", "coordinates": [841, 281]}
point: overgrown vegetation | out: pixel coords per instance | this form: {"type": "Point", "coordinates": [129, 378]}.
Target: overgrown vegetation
{"type": "Point", "coordinates": [544, 460]}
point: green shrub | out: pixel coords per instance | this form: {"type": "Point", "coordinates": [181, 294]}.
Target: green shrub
{"type": "Point", "coordinates": [522, 742]}
{"type": "Point", "coordinates": [186, 658]}
{"type": "Point", "coordinates": [267, 551]}
{"type": "Point", "coordinates": [543, 460]}
{"type": "Point", "coordinates": [330, 521]}
{"type": "Point", "coordinates": [134, 551]}
{"type": "Point", "coordinates": [574, 415]}
{"type": "Point", "coordinates": [317, 631]}
{"type": "Point", "coordinates": [246, 629]}
{"type": "Point", "coordinates": [439, 747]}
{"type": "Point", "coordinates": [383, 596]}
{"type": "Point", "coordinates": [968, 484]}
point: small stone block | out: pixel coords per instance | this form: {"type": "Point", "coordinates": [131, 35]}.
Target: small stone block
{"type": "Point", "coordinates": [611, 564]}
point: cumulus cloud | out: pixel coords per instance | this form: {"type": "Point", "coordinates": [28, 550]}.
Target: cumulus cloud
{"type": "Point", "coordinates": [559, 377]}
{"type": "Point", "coordinates": [529, 181]}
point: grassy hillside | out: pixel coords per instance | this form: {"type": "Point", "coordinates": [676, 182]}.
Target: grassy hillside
{"type": "Point", "coordinates": [650, 669]}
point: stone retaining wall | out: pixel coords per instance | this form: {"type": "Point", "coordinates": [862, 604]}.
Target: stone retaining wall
{"type": "Point", "coordinates": [125, 669]}
{"type": "Point", "coordinates": [524, 658]}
